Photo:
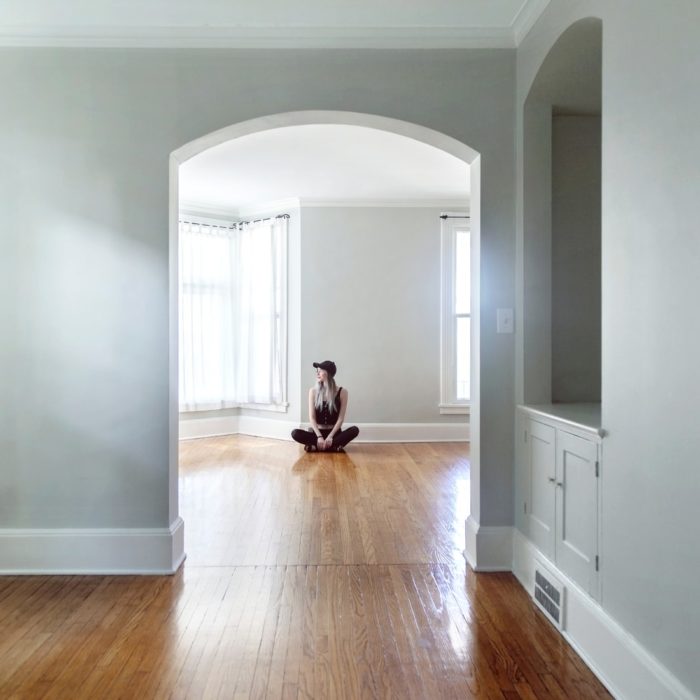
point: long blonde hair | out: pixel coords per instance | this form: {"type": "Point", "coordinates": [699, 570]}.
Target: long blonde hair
{"type": "Point", "coordinates": [326, 393]}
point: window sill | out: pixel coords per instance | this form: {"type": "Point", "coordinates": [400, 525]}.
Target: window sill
{"type": "Point", "coordinates": [454, 409]}
{"type": "Point", "coordinates": [274, 408]}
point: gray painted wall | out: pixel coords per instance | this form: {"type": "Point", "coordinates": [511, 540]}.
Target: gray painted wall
{"type": "Point", "coordinates": [85, 141]}
{"type": "Point", "coordinates": [536, 253]}
{"type": "Point", "coordinates": [371, 302]}
{"type": "Point", "coordinates": [650, 325]}
{"type": "Point", "coordinates": [575, 258]}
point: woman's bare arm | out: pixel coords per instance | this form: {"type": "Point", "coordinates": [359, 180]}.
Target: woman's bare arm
{"type": "Point", "coordinates": [320, 442]}
{"type": "Point", "coordinates": [312, 413]}
{"type": "Point", "coordinates": [341, 414]}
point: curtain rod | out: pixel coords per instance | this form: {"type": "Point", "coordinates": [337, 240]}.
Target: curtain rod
{"type": "Point", "coordinates": [235, 223]}
{"type": "Point", "coordinates": [255, 221]}
{"type": "Point", "coordinates": [445, 216]}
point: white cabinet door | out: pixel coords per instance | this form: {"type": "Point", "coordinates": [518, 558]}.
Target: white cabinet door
{"type": "Point", "coordinates": [541, 462]}
{"type": "Point", "coordinates": [577, 509]}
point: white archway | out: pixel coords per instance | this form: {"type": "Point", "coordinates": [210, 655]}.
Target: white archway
{"type": "Point", "coordinates": [286, 119]}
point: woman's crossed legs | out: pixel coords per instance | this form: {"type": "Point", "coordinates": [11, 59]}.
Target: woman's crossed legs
{"type": "Point", "coordinates": [340, 439]}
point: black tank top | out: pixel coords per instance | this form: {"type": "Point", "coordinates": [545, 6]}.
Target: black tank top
{"type": "Point", "coordinates": [324, 415]}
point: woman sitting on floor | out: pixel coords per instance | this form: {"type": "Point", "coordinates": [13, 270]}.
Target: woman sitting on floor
{"type": "Point", "coordinates": [327, 406]}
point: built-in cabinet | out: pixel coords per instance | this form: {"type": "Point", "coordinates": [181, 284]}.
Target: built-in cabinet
{"type": "Point", "coordinates": [558, 487]}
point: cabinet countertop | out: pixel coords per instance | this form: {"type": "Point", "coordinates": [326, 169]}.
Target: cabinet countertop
{"type": "Point", "coordinates": [581, 415]}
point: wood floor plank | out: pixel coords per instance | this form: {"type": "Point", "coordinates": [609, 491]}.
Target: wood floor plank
{"type": "Point", "coordinates": [360, 649]}
{"type": "Point", "coordinates": [414, 664]}
{"type": "Point", "coordinates": [308, 576]}
{"type": "Point", "coordinates": [306, 683]}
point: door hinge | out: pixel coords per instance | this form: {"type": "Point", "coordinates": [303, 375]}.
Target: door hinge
{"type": "Point", "coordinates": [525, 435]}
{"type": "Point", "coordinates": [597, 563]}
{"type": "Point", "coordinates": [525, 507]}
{"type": "Point", "coordinates": [597, 468]}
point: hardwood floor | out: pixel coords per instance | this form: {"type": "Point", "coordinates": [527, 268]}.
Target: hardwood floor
{"type": "Point", "coordinates": [308, 576]}
{"type": "Point", "coordinates": [250, 501]}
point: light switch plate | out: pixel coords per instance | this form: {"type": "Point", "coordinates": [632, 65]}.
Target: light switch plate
{"type": "Point", "coordinates": [504, 320]}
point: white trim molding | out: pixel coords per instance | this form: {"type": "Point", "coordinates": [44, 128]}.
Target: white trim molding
{"type": "Point", "coordinates": [214, 213]}
{"type": "Point", "coordinates": [417, 132]}
{"type": "Point", "coordinates": [525, 20]}
{"type": "Point", "coordinates": [413, 432]}
{"type": "Point", "coordinates": [93, 551]}
{"type": "Point", "coordinates": [488, 548]}
{"type": "Point", "coordinates": [456, 222]}
{"type": "Point", "coordinates": [216, 426]}
{"type": "Point", "coordinates": [621, 663]}
{"type": "Point", "coordinates": [281, 429]}
{"type": "Point", "coordinates": [385, 203]}
{"type": "Point", "coordinates": [207, 214]}
{"type": "Point", "coordinates": [454, 409]}
{"type": "Point", "coordinates": [260, 37]}
{"type": "Point", "coordinates": [231, 34]}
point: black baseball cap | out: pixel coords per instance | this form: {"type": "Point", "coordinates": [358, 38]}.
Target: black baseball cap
{"type": "Point", "coordinates": [328, 366]}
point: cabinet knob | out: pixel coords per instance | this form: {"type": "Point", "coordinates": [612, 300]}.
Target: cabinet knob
{"type": "Point", "coordinates": [551, 479]}
{"type": "Point", "coordinates": [560, 484]}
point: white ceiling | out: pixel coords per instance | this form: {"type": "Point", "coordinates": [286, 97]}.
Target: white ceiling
{"type": "Point", "coordinates": [405, 23]}
{"type": "Point", "coordinates": [322, 163]}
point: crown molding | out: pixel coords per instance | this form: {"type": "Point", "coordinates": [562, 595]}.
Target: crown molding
{"type": "Point", "coordinates": [272, 207]}
{"type": "Point", "coordinates": [276, 37]}
{"type": "Point", "coordinates": [260, 37]}
{"type": "Point", "coordinates": [193, 209]}
{"type": "Point", "coordinates": [203, 210]}
{"type": "Point", "coordinates": [525, 19]}
{"type": "Point", "coordinates": [388, 203]}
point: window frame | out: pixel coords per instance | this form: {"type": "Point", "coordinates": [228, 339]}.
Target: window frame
{"type": "Point", "coordinates": [449, 403]}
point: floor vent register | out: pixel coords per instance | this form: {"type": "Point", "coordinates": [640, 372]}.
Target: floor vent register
{"type": "Point", "coordinates": [549, 595]}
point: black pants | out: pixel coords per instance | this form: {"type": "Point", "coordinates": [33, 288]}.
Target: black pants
{"type": "Point", "coordinates": [340, 439]}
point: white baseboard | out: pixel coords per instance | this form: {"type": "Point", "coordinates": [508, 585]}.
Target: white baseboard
{"type": "Point", "coordinates": [191, 428]}
{"type": "Point", "coordinates": [266, 427]}
{"type": "Point", "coordinates": [488, 548]}
{"type": "Point", "coordinates": [623, 665]}
{"type": "Point", "coordinates": [234, 425]}
{"type": "Point", "coordinates": [98, 551]}
{"type": "Point", "coordinates": [413, 432]}
{"type": "Point", "coordinates": [281, 429]}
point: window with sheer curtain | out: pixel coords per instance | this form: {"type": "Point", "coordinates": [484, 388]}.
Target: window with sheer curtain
{"type": "Point", "coordinates": [232, 316]}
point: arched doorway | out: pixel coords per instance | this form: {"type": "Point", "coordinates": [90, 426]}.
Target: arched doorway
{"type": "Point", "coordinates": [275, 121]}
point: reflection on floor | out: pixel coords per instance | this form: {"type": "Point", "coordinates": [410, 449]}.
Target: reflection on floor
{"type": "Point", "coordinates": [253, 501]}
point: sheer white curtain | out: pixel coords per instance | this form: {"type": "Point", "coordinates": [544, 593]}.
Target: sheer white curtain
{"type": "Point", "coordinates": [233, 315]}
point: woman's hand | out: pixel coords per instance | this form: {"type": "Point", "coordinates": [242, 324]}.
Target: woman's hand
{"type": "Point", "coordinates": [329, 443]}
{"type": "Point", "coordinates": [320, 443]}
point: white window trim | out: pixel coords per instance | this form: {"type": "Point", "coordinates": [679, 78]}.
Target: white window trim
{"type": "Point", "coordinates": [455, 409]}
{"type": "Point", "coordinates": [449, 405]}
{"type": "Point", "coordinates": [275, 407]}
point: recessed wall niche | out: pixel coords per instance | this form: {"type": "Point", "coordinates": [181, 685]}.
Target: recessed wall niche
{"type": "Point", "coordinates": [562, 223]}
